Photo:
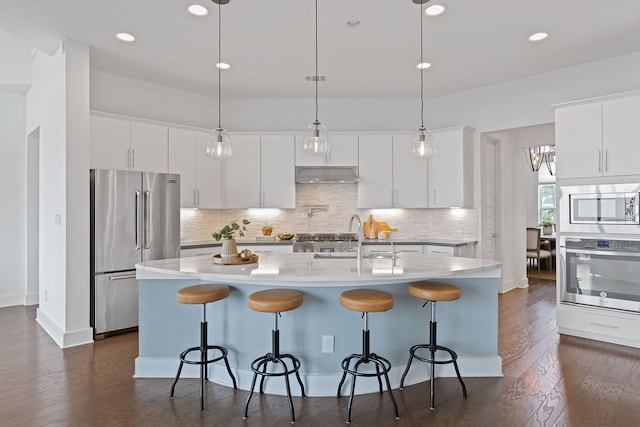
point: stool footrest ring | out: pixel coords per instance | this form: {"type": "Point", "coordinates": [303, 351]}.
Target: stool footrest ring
{"type": "Point", "coordinates": [184, 354]}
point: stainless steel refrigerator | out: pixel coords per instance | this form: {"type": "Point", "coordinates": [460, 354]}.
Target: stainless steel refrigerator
{"type": "Point", "coordinates": [135, 216]}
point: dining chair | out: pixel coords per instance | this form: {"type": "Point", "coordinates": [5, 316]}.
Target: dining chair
{"type": "Point", "coordinates": [533, 247]}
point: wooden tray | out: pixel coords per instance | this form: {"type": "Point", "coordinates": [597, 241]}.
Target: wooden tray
{"type": "Point", "coordinates": [217, 259]}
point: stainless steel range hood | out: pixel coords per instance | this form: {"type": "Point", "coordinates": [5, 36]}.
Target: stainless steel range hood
{"type": "Point", "coordinates": [327, 175]}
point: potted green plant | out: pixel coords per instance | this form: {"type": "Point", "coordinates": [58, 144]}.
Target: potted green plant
{"type": "Point", "coordinates": [547, 227]}
{"type": "Point", "coordinates": [228, 233]}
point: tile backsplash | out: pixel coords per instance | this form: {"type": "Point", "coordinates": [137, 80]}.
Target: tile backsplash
{"type": "Point", "coordinates": [328, 208]}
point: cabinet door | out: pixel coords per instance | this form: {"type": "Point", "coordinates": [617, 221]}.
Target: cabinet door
{"type": "Point", "coordinates": [209, 177]}
{"type": "Point", "coordinates": [579, 140]}
{"type": "Point", "coordinates": [621, 136]}
{"type": "Point", "coordinates": [375, 189]}
{"type": "Point", "coordinates": [451, 169]}
{"type": "Point", "coordinates": [278, 189]}
{"type": "Point", "coordinates": [242, 174]}
{"type": "Point", "coordinates": [409, 176]}
{"type": "Point", "coordinates": [149, 146]}
{"type": "Point", "coordinates": [182, 160]}
{"type": "Point", "coordinates": [344, 150]}
{"type": "Point", "coordinates": [109, 143]}
{"type": "Point", "coordinates": [303, 159]}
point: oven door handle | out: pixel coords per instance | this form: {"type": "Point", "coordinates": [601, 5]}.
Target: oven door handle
{"type": "Point", "coordinates": [606, 253]}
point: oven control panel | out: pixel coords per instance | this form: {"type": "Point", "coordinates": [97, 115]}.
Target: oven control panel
{"type": "Point", "coordinates": [603, 244]}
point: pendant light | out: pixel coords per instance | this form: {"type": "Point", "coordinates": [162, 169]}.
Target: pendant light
{"type": "Point", "coordinates": [316, 141]}
{"type": "Point", "coordinates": [534, 157]}
{"type": "Point", "coordinates": [422, 146]}
{"type": "Point", "coordinates": [550, 160]}
{"type": "Point", "coordinates": [219, 143]}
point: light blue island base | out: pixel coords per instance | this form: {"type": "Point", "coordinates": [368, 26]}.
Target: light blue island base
{"type": "Point", "coordinates": [468, 325]}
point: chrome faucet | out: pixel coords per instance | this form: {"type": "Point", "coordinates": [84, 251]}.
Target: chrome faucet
{"type": "Point", "coordinates": [359, 253]}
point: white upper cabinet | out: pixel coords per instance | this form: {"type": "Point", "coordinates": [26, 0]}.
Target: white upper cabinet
{"type": "Point", "coordinates": [200, 175]}
{"type": "Point", "coordinates": [375, 189]}
{"type": "Point", "coordinates": [451, 169]}
{"type": "Point", "coordinates": [598, 138]}
{"type": "Point", "coordinates": [389, 176]}
{"type": "Point", "coordinates": [409, 175]}
{"type": "Point", "coordinates": [278, 189]}
{"type": "Point", "coordinates": [579, 140]}
{"type": "Point", "coordinates": [260, 173]}
{"type": "Point", "coordinates": [621, 135]}
{"type": "Point", "coordinates": [242, 175]}
{"type": "Point", "coordinates": [110, 143]}
{"type": "Point", "coordinates": [127, 145]}
{"type": "Point", "coordinates": [343, 151]}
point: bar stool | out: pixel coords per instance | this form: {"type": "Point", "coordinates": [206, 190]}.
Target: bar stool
{"type": "Point", "coordinates": [202, 294]}
{"type": "Point", "coordinates": [366, 301]}
{"type": "Point", "coordinates": [433, 292]}
{"type": "Point", "coordinates": [275, 301]}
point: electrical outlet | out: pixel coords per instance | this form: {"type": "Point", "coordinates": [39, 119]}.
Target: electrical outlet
{"type": "Point", "coordinates": [327, 343]}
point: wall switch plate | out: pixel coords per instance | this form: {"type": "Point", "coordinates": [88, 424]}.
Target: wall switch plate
{"type": "Point", "coordinates": [327, 343]}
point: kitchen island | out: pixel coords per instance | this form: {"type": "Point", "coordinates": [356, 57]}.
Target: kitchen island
{"type": "Point", "coordinates": [468, 325]}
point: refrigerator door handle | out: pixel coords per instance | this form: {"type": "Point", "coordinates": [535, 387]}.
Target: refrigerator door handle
{"type": "Point", "coordinates": [138, 219]}
{"type": "Point", "coordinates": [147, 209]}
{"type": "Point", "coordinates": [128, 276]}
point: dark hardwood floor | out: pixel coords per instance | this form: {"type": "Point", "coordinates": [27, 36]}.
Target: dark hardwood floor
{"type": "Point", "coordinates": [548, 380]}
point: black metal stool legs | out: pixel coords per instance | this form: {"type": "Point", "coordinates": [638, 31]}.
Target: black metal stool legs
{"type": "Point", "coordinates": [259, 367]}
{"type": "Point", "coordinates": [383, 366]}
{"type": "Point", "coordinates": [204, 360]}
{"type": "Point", "coordinates": [431, 360]}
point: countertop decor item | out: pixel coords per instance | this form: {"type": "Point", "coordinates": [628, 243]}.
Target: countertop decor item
{"type": "Point", "coordinates": [228, 233]}
{"type": "Point", "coordinates": [267, 228]}
{"type": "Point", "coordinates": [218, 259]}
{"type": "Point", "coordinates": [286, 236]}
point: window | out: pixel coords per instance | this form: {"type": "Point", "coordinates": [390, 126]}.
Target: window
{"type": "Point", "coordinates": [547, 203]}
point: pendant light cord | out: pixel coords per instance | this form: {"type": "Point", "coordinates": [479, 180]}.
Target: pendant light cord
{"type": "Point", "coordinates": [316, 75]}
{"type": "Point", "coordinates": [219, 62]}
{"type": "Point", "coordinates": [421, 73]}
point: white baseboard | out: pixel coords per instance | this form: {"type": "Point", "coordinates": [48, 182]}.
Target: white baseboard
{"type": "Point", "coordinates": [32, 299]}
{"type": "Point", "coordinates": [63, 339]}
{"type": "Point", "coordinates": [11, 300]}
{"type": "Point", "coordinates": [318, 385]}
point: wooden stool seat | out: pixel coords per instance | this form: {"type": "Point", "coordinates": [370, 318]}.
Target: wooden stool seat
{"type": "Point", "coordinates": [202, 294]}
{"type": "Point", "coordinates": [366, 300]}
{"type": "Point", "coordinates": [275, 300]}
{"type": "Point", "coordinates": [434, 291]}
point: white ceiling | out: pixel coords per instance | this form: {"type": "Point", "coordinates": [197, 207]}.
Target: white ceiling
{"type": "Point", "coordinates": [270, 44]}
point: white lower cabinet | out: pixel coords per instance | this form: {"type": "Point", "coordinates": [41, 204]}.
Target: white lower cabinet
{"type": "Point", "coordinates": [439, 250]}
{"type": "Point", "coordinates": [257, 248]}
{"type": "Point", "coordinates": [200, 175]}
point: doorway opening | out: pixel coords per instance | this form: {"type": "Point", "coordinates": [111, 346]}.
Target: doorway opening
{"type": "Point", "coordinates": [33, 219]}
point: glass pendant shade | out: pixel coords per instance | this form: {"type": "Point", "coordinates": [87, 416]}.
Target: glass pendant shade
{"type": "Point", "coordinates": [550, 160]}
{"type": "Point", "coordinates": [535, 157]}
{"type": "Point", "coordinates": [316, 140]}
{"type": "Point", "coordinates": [422, 144]}
{"type": "Point", "coordinates": [219, 144]}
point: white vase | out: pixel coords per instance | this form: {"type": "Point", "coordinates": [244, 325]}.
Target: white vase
{"type": "Point", "coordinates": [229, 248]}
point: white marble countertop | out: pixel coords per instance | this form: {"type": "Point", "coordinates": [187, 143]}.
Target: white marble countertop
{"type": "Point", "coordinates": [438, 241]}
{"type": "Point", "coordinates": [301, 269]}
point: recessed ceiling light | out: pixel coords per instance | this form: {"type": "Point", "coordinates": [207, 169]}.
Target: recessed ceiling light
{"type": "Point", "coordinates": [538, 36]}
{"type": "Point", "coordinates": [125, 37]}
{"type": "Point", "coordinates": [223, 65]}
{"type": "Point", "coordinates": [423, 65]}
{"type": "Point", "coordinates": [198, 10]}
{"type": "Point", "coordinates": [353, 22]}
{"type": "Point", "coordinates": [435, 10]}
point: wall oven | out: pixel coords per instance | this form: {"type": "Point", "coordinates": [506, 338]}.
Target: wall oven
{"type": "Point", "coordinates": [601, 272]}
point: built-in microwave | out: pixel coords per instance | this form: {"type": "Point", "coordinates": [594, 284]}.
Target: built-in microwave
{"type": "Point", "coordinates": [604, 208]}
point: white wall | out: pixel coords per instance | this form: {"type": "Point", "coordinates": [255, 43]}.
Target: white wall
{"type": "Point", "coordinates": [12, 195]}
{"type": "Point", "coordinates": [57, 105]}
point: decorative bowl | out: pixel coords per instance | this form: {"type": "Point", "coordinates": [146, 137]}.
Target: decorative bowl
{"type": "Point", "coordinates": [286, 236]}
